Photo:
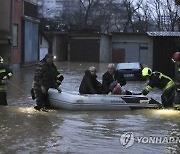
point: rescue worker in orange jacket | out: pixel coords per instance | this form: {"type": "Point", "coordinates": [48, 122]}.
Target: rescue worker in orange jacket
{"type": "Point", "coordinates": [5, 74]}
{"type": "Point", "coordinates": [161, 81]}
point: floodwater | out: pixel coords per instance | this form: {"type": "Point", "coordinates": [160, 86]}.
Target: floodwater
{"type": "Point", "coordinates": [24, 130]}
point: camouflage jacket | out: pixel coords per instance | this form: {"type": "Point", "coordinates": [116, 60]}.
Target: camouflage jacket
{"type": "Point", "coordinates": [45, 75]}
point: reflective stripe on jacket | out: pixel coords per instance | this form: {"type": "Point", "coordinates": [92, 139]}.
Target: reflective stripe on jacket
{"type": "Point", "coordinates": [160, 81]}
{"type": "Point", "coordinates": [4, 71]}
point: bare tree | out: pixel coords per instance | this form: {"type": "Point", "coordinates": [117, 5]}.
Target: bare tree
{"type": "Point", "coordinates": [93, 13]}
{"type": "Point", "coordinates": [172, 13]}
{"type": "Point", "coordinates": [143, 21]}
{"type": "Point", "coordinates": [124, 15]}
{"type": "Point", "coordinates": [165, 14]}
{"type": "Point", "coordinates": [131, 10]}
{"type": "Point", "coordinates": [88, 7]}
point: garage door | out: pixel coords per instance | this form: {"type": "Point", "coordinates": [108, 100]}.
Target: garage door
{"type": "Point", "coordinates": [118, 56]}
{"type": "Point", "coordinates": [84, 50]}
{"type": "Point", "coordinates": [30, 41]}
{"type": "Point", "coordinates": [130, 52]}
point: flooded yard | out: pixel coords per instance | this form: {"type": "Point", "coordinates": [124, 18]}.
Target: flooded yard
{"type": "Point", "coordinates": [24, 130]}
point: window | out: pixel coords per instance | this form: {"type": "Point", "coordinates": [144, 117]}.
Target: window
{"type": "Point", "coordinates": [15, 35]}
{"type": "Point", "coordinates": [30, 9]}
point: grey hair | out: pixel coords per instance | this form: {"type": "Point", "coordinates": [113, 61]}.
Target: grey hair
{"type": "Point", "coordinates": [92, 68]}
{"type": "Point", "coordinates": [111, 65]}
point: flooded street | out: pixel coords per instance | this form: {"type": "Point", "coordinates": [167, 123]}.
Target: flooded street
{"type": "Point", "coordinates": [24, 130]}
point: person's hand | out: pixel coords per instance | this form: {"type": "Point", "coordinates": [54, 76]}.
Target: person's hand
{"type": "Point", "coordinates": [5, 78]}
{"type": "Point", "coordinates": [43, 89]}
{"type": "Point", "coordinates": [4, 81]}
{"type": "Point", "coordinates": [118, 84]}
{"type": "Point", "coordinates": [59, 89]}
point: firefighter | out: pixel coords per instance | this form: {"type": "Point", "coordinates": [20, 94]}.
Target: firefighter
{"type": "Point", "coordinates": [176, 60]}
{"type": "Point", "coordinates": [5, 74]}
{"type": "Point", "coordinates": [161, 81]}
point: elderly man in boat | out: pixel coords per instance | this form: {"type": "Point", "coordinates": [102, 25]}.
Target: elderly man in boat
{"type": "Point", "coordinates": [113, 81]}
{"type": "Point", "coordinates": [89, 83]}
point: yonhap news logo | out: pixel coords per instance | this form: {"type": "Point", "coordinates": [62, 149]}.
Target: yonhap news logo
{"type": "Point", "coordinates": [128, 139]}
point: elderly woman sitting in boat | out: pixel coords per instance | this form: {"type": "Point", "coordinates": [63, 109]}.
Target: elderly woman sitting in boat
{"type": "Point", "coordinates": [89, 83]}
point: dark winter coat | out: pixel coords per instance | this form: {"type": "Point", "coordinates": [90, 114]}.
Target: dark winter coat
{"type": "Point", "coordinates": [108, 79]}
{"type": "Point", "coordinates": [89, 84]}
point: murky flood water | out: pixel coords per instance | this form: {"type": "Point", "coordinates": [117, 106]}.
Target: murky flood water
{"type": "Point", "coordinates": [24, 130]}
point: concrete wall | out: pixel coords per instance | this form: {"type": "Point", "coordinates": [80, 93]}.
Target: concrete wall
{"type": "Point", "coordinates": [43, 47]}
{"type": "Point", "coordinates": [105, 48]}
{"type": "Point", "coordinates": [130, 40]}
{"type": "Point", "coordinates": [43, 43]}
{"type": "Point", "coordinates": [54, 45]}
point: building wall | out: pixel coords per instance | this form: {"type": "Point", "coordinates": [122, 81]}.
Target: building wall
{"type": "Point", "coordinates": [136, 47]}
{"type": "Point", "coordinates": [43, 47]}
{"type": "Point", "coordinates": [30, 43]}
{"type": "Point", "coordinates": [5, 16]}
{"type": "Point", "coordinates": [54, 45]}
{"type": "Point", "coordinates": [62, 48]}
{"type": "Point", "coordinates": [32, 1]}
{"type": "Point", "coordinates": [5, 29]}
{"type": "Point", "coordinates": [54, 8]}
{"type": "Point", "coordinates": [17, 39]}
{"type": "Point", "coordinates": [105, 48]}
{"type": "Point", "coordinates": [164, 48]}
{"type": "Point", "coordinates": [43, 43]}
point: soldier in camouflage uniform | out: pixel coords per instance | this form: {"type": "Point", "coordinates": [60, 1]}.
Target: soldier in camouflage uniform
{"type": "Point", "coordinates": [43, 80]}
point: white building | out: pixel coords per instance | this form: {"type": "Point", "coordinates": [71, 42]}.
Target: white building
{"type": "Point", "coordinates": [54, 8]}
